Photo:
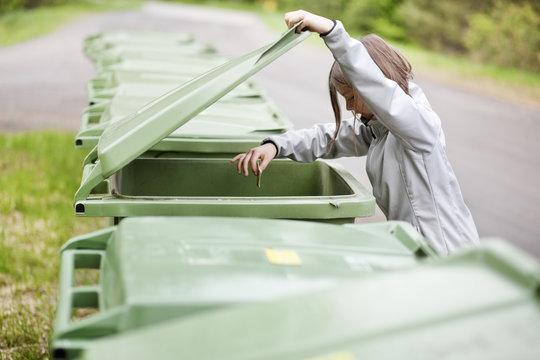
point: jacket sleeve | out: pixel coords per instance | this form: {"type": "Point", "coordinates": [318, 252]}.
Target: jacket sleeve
{"type": "Point", "coordinates": [410, 118]}
{"type": "Point", "coordinates": [307, 145]}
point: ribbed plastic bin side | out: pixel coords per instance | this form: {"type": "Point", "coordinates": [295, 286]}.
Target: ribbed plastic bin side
{"type": "Point", "coordinates": [157, 268]}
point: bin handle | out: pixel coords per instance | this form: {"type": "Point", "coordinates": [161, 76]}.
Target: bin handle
{"type": "Point", "coordinates": [93, 177]}
{"type": "Point", "coordinates": [69, 296]}
{"type": "Point", "coordinates": [85, 120]}
{"type": "Point", "coordinates": [91, 157]}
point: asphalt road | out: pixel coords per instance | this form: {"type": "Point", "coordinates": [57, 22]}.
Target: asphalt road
{"type": "Point", "coordinates": [492, 144]}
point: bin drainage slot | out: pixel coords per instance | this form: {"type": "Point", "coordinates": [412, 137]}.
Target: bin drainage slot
{"type": "Point", "coordinates": [79, 208]}
{"type": "Point", "coordinates": [421, 253]}
{"type": "Point", "coordinates": [59, 353]}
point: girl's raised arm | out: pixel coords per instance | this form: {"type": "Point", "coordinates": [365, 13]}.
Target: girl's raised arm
{"type": "Point", "coordinates": [410, 118]}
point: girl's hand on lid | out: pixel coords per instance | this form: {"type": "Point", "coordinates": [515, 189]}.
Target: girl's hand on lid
{"type": "Point", "coordinates": [265, 152]}
{"type": "Point", "coordinates": [310, 22]}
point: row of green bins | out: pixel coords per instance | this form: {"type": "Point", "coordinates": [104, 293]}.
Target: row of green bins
{"type": "Point", "coordinates": [153, 269]}
{"type": "Point", "coordinates": [480, 304]}
{"type": "Point", "coordinates": [120, 50]}
{"type": "Point", "coordinates": [104, 86]}
{"type": "Point", "coordinates": [144, 64]}
{"type": "Point", "coordinates": [111, 37]}
{"type": "Point", "coordinates": [240, 119]}
{"type": "Point", "coordinates": [115, 43]}
{"type": "Point", "coordinates": [128, 83]}
{"type": "Point", "coordinates": [122, 179]}
{"type": "Point", "coordinates": [104, 62]}
{"type": "Point", "coordinates": [136, 85]}
{"type": "Point", "coordinates": [148, 72]}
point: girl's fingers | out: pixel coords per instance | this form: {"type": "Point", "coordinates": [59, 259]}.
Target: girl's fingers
{"type": "Point", "coordinates": [239, 165]}
{"type": "Point", "coordinates": [253, 162]}
{"type": "Point", "coordinates": [249, 159]}
{"type": "Point", "coordinates": [245, 163]}
{"type": "Point", "coordinates": [288, 19]}
{"type": "Point", "coordinates": [294, 17]}
{"type": "Point", "coordinates": [303, 26]}
{"type": "Point", "coordinates": [237, 157]}
{"type": "Point", "coordinates": [265, 160]}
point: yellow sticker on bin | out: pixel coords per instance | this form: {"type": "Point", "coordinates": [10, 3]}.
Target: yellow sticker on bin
{"type": "Point", "coordinates": [282, 257]}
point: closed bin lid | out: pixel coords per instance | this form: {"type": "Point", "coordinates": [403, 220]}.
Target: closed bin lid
{"type": "Point", "coordinates": [121, 36]}
{"type": "Point", "coordinates": [125, 140]}
{"type": "Point", "coordinates": [153, 269]}
{"type": "Point", "coordinates": [479, 304]}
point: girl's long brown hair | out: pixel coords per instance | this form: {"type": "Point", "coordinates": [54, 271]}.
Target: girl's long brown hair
{"type": "Point", "coordinates": [391, 62]}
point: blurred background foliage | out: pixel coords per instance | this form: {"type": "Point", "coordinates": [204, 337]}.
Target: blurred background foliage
{"type": "Point", "coordinates": [501, 32]}
{"type": "Point", "coordinates": [10, 5]}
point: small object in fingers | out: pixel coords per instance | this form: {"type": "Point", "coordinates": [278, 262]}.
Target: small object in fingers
{"type": "Point", "coordinates": [258, 175]}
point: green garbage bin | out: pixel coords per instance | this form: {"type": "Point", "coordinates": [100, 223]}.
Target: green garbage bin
{"type": "Point", "coordinates": [133, 83]}
{"type": "Point", "coordinates": [482, 304]}
{"type": "Point", "coordinates": [109, 59]}
{"type": "Point", "coordinates": [190, 67]}
{"type": "Point", "coordinates": [187, 186]}
{"type": "Point", "coordinates": [231, 106]}
{"type": "Point", "coordinates": [192, 48]}
{"type": "Point", "coordinates": [229, 126]}
{"type": "Point", "coordinates": [158, 268]}
{"type": "Point", "coordinates": [107, 38]}
{"type": "Point", "coordinates": [120, 106]}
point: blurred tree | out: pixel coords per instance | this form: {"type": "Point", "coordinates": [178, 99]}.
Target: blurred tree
{"type": "Point", "coordinates": [509, 35]}
{"type": "Point", "coordinates": [10, 5]}
{"type": "Point", "coordinates": [438, 25]}
{"type": "Point", "coordinates": [332, 9]}
{"type": "Point", "coordinates": [376, 16]}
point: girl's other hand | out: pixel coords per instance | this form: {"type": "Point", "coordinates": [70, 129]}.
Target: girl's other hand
{"type": "Point", "coordinates": [265, 152]}
{"type": "Point", "coordinates": [310, 22]}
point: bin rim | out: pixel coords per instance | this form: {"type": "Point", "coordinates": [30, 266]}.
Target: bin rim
{"type": "Point", "coordinates": [128, 138]}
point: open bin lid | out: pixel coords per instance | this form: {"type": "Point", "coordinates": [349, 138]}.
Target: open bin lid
{"type": "Point", "coordinates": [480, 304]}
{"type": "Point", "coordinates": [125, 140]}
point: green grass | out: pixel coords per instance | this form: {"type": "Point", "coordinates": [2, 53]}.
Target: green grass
{"type": "Point", "coordinates": [22, 25]}
{"type": "Point", "coordinates": [40, 173]}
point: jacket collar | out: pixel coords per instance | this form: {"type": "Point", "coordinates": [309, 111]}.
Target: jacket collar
{"type": "Point", "coordinates": [376, 127]}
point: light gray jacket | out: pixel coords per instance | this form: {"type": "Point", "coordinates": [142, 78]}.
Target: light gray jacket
{"type": "Point", "coordinates": [405, 146]}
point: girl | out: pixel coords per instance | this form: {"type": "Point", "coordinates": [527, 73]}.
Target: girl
{"type": "Point", "coordinates": [401, 135]}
